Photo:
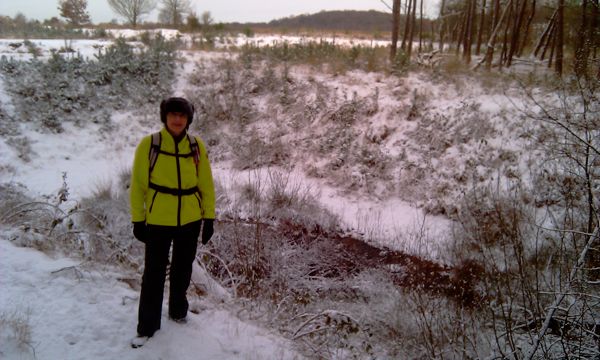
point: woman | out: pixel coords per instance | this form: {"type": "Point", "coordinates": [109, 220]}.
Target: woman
{"type": "Point", "coordinates": [172, 195]}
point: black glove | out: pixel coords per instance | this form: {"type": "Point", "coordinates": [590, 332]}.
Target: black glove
{"type": "Point", "coordinates": [207, 230]}
{"type": "Point", "coordinates": [140, 231]}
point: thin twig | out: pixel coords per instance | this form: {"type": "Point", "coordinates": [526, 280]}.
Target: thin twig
{"type": "Point", "coordinates": [233, 284]}
{"type": "Point", "coordinates": [561, 296]}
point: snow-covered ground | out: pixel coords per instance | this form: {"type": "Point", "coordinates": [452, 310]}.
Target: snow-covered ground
{"type": "Point", "coordinates": [76, 312]}
{"type": "Point", "coordinates": [72, 311]}
{"type": "Point", "coordinates": [95, 159]}
{"type": "Point", "coordinates": [19, 49]}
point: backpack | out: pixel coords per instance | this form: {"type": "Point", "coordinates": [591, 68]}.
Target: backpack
{"type": "Point", "coordinates": [155, 150]}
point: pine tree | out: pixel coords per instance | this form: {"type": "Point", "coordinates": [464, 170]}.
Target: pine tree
{"type": "Point", "coordinates": [74, 12]}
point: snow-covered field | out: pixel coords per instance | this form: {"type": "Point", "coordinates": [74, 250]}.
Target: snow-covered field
{"type": "Point", "coordinates": [71, 311]}
{"type": "Point", "coordinates": [59, 308]}
{"type": "Point", "coordinates": [95, 159]}
{"type": "Point", "coordinates": [79, 311]}
{"type": "Point", "coordinates": [17, 48]}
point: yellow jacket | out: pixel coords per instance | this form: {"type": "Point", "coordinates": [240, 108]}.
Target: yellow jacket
{"type": "Point", "coordinates": [174, 172]}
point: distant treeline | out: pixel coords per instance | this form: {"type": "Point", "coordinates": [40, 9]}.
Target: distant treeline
{"type": "Point", "coordinates": [338, 20]}
{"type": "Point", "coordinates": [347, 20]}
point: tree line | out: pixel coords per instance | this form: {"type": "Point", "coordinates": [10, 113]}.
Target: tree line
{"type": "Point", "coordinates": [347, 20]}
{"type": "Point", "coordinates": [500, 31]}
{"type": "Point", "coordinates": [171, 12]}
{"type": "Point", "coordinates": [561, 33]}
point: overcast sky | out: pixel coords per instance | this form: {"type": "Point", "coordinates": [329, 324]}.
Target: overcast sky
{"type": "Point", "coordinates": [221, 10]}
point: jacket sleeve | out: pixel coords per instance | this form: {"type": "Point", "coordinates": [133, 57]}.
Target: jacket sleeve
{"type": "Point", "coordinates": [205, 183]}
{"type": "Point", "coordinates": [139, 181]}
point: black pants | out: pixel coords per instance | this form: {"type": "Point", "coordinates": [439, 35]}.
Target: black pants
{"type": "Point", "coordinates": [185, 242]}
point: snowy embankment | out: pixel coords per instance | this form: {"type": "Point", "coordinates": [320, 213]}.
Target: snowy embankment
{"type": "Point", "coordinates": [89, 312]}
{"type": "Point", "coordinates": [61, 309]}
{"type": "Point", "coordinates": [93, 157]}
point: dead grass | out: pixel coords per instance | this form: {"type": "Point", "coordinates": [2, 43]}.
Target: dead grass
{"type": "Point", "coordinates": [15, 328]}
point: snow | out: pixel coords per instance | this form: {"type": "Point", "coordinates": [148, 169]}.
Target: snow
{"type": "Point", "coordinates": [76, 312]}
{"type": "Point", "coordinates": [46, 47]}
{"type": "Point", "coordinates": [16, 48]}
{"type": "Point", "coordinates": [90, 158]}
{"type": "Point", "coordinates": [85, 159]}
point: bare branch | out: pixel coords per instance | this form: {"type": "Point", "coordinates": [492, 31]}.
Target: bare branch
{"type": "Point", "coordinates": [562, 294]}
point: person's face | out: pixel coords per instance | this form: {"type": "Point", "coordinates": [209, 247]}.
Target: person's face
{"type": "Point", "coordinates": [176, 123]}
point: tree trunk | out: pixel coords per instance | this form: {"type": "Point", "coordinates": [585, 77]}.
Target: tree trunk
{"type": "Point", "coordinates": [412, 27]}
{"type": "Point", "coordinates": [472, 25]}
{"type": "Point", "coordinates": [395, 29]}
{"type": "Point", "coordinates": [421, 27]}
{"type": "Point", "coordinates": [503, 54]}
{"type": "Point", "coordinates": [560, 37]}
{"type": "Point", "coordinates": [468, 37]}
{"type": "Point", "coordinates": [496, 12]}
{"type": "Point", "coordinates": [514, 42]}
{"type": "Point", "coordinates": [583, 46]}
{"type": "Point", "coordinates": [545, 35]}
{"type": "Point", "coordinates": [442, 25]}
{"type": "Point", "coordinates": [552, 45]}
{"type": "Point", "coordinates": [527, 27]}
{"type": "Point", "coordinates": [489, 55]}
{"type": "Point", "coordinates": [481, 27]}
{"type": "Point", "coordinates": [595, 35]}
{"type": "Point", "coordinates": [407, 24]}
{"type": "Point", "coordinates": [550, 40]}
{"type": "Point", "coordinates": [455, 33]}
{"type": "Point", "coordinates": [432, 37]}
{"type": "Point", "coordinates": [463, 28]}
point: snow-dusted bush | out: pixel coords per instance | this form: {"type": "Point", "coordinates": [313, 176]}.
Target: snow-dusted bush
{"type": "Point", "coordinates": [44, 223]}
{"type": "Point", "coordinates": [323, 55]}
{"type": "Point", "coordinates": [70, 88]}
{"type": "Point", "coordinates": [22, 146]}
{"type": "Point", "coordinates": [11, 195]}
{"type": "Point", "coordinates": [105, 226]}
{"type": "Point", "coordinates": [241, 114]}
{"type": "Point", "coordinates": [220, 94]}
{"type": "Point", "coordinates": [290, 280]}
{"type": "Point", "coordinates": [331, 299]}
{"type": "Point", "coordinates": [15, 332]}
{"type": "Point", "coordinates": [96, 228]}
{"type": "Point", "coordinates": [539, 244]}
{"type": "Point", "coordinates": [20, 27]}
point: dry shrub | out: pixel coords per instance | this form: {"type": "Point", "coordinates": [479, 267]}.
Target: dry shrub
{"type": "Point", "coordinates": [43, 223]}
{"type": "Point", "coordinates": [106, 226]}
{"type": "Point", "coordinates": [453, 65]}
{"type": "Point", "coordinates": [251, 151]}
{"type": "Point", "coordinates": [492, 222]}
{"type": "Point", "coordinates": [15, 328]}
{"type": "Point", "coordinates": [97, 228]}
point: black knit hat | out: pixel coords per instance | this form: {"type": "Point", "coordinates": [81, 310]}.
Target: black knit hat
{"type": "Point", "coordinates": [176, 105]}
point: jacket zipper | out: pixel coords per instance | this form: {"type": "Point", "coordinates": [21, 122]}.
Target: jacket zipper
{"type": "Point", "coordinates": [178, 184]}
{"type": "Point", "coordinates": [152, 203]}
{"type": "Point", "coordinates": [199, 204]}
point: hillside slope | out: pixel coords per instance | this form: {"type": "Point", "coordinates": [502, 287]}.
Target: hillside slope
{"type": "Point", "coordinates": [349, 202]}
{"type": "Point", "coordinates": [348, 20]}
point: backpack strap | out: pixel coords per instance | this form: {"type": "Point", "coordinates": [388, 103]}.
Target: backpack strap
{"type": "Point", "coordinates": [195, 150]}
{"type": "Point", "coordinates": [154, 151]}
